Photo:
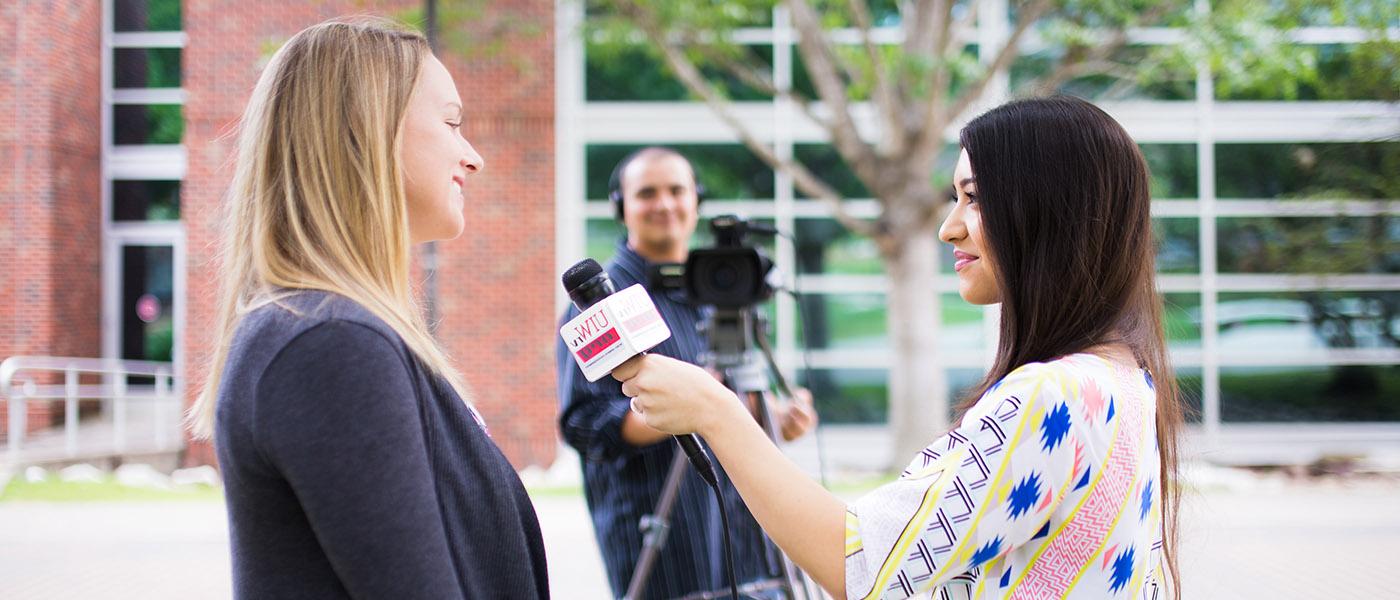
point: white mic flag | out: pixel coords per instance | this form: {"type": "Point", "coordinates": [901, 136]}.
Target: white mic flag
{"type": "Point", "coordinates": [613, 330]}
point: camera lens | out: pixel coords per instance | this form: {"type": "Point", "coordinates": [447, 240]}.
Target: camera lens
{"type": "Point", "coordinates": [724, 277]}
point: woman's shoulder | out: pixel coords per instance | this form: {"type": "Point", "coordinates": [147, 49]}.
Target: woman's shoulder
{"type": "Point", "coordinates": [291, 313]}
{"type": "Point", "coordinates": [1071, 365]}
{"type": "Point", "coordinates": [1065, 377]}
{"type": "Point", "coordinates": [314, 322]}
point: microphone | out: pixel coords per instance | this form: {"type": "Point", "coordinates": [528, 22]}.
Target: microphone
{"type": "Point", "coordinates": [611, 328]}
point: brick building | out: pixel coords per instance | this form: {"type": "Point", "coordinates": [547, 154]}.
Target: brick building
{"type": "Point", "coordinates": [115, 121]}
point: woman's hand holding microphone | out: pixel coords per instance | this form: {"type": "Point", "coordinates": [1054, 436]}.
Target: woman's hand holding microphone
{"type": "Point", "coordinates": [677, 397]}
{"type": "Point", "coordinates": [806, 521]}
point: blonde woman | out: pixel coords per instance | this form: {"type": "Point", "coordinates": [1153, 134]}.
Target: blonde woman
{"type": "Point", "coordinates": [353, 465]}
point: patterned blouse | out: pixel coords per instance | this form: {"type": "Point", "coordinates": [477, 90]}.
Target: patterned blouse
{"type": "Point", "coordinates": [1048, 489]}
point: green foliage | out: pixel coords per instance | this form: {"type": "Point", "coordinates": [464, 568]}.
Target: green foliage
{"type": "Point", "coordinates": [1365, 171]}
{"type": "Point", "coordinates": [475, 31]}
{"type": "Point", "coordinates": [1173, 167]}
{"type": "Point", "coordinates": [1244, 42]}
{"type": "Point", "coordinates": [636, 73]}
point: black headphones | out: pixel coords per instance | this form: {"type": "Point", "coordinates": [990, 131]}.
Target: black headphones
{"type": "Point", "coordinates": [615, 180]}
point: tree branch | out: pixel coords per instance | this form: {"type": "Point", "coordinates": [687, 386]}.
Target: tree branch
{"type": "Point", "coordinates": [917, 31]}
{"type": "Point", "coordinates": [1077, 61]}
{"type": "Point", "coordinates": [754, 77]}
{"type": "Point", "coordinates": [1003, 59]}
{"type": "Point", "coordinates": [938, 24]}
{"type": "Point", "coordinates": [692, 79]}
{"type": "Point", "coordinates": [821, 62]}
{"type": "Point", "coordinates": [892, 140]}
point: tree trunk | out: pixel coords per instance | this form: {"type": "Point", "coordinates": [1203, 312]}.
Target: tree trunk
{"type": "Point", "coordinates": [918, 383]}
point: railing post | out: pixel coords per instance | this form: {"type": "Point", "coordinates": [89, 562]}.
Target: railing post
{"type": "Point", "coordinates": [162, 397]}
{"type": "Point", "coordinates": [119, 412]}
{"type": "Point", "coordinates": [70, 410]}
{"type": "Point", "coordinates": [17, 421]}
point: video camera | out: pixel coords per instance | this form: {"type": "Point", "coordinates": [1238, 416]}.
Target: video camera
{"type": "Point", "coordinates": [733, 273]}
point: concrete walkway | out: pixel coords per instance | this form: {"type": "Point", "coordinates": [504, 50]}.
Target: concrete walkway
{"type": "Point", "coordinates": [1249, 538]}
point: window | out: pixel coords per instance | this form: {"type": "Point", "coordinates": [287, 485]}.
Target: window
{"type": "Point", "coordinates": [145, 200]}
{"type": "Point", "coordinates": [147, 124]}
{"type": "Point", "coordinates": [1363, 171]}
{"type": "Point", "coordinates": [1310, 244]}
{"type": "Point", "coordinates": [1322, 393]}
{"type": "Point", "coordinates": [146, 67]}
{"type": "Point", "coordinates": [146, 15]}
{"type": "Point", "coordinates": [1296, 322]}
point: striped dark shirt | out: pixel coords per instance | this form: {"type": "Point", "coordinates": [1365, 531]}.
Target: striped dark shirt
{"type": "Point", "coordinates": [624, 482]}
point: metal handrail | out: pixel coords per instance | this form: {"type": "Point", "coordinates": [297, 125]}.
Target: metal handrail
{"type": "Point", "coordinates": [18, 385]}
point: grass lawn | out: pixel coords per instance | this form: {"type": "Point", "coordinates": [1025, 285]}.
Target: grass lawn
{"type": "Point", "coordinates": [108, 490]}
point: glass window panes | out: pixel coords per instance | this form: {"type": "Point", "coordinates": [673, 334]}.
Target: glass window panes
{"type": "Point", "coordinates": [1336, 72]}
{"type": "Point", "coordinates": [824, 246]}
{"type": "Point", "coordinates": [147, 317]}
{"type": "Point", "coordinates": [1181, 318]}
{"type": "Point", "coordinates": [963, 327]}
{"type": "Point", "coordinates": [1178, 244]}
{"type": "Point", "coordinates": [1173, 167]}
{"type": "Point", "coordinates": [844, 321]}
{"type": "Point", "coordinates": [1310, 244]}
{"type": "Point", "coordinates": [147, 123]}
{"type": "Point", "coordinates": [601, 238]}
{"type": "Point", "coordinates": [859, 321]}
{"type": "Point", "coordinates": [743, 14]}
{"type": "Point", "coordinates": [1275, 321]}
{"type": "Point", "coordinates": [961, 383]}
{"type": "Point", "coordinates": [824, 162]}
{"type": "Point", "coordinates": [1167, 80]}
{"type": "Point", "coordinates": [146, 67]}
{"type": "Point", "coordinates": [622, 72]}
{"type": "Point", "coordinates": [146, 15]}
{"type": "Point", "coordinates": [728, 171]}
{"type": "Point", "coordinates": [1345, 393]}
{"type": "Point", "coordinates": [145, 200]}
{"type": "Point", "coordinates": [848, 395]}
{"type": "Point", "coordinates": [1291, 322]}
{"type": "Point", "coordinates": [1363, 170]}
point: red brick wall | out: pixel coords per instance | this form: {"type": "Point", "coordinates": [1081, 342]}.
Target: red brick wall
{"type": "Point", "coordinates": [507, 269]}
{"type": "Point", "coordinates": [497, 282]}
{"type": "Point", "coordinates": [50, 201]}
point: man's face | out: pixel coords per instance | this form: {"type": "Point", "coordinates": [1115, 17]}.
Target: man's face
{"type": "Point", "coordinates": [659, 202]}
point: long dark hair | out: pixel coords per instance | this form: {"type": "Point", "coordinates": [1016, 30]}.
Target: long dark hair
{"type": "Point", "coordinates": [1064, 198]}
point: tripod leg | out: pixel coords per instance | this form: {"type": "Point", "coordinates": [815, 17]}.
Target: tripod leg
{"type": "Point", "coordinates": [656, 526]}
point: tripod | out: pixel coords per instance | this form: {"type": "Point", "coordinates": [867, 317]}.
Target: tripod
{"type": "Point", "coordinates": [733, 333]}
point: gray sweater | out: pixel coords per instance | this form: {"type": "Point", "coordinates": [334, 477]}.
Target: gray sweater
{"type": "Point", "coordinates": [352, 472]}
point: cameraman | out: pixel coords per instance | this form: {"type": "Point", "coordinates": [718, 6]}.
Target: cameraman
{"type": "Point", "coordinates": [625, 462]}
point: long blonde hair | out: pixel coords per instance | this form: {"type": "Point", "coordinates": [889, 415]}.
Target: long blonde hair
{"type": "Point", "coordinates": [317, 198]}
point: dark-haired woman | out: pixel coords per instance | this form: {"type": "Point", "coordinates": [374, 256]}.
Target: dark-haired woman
{"type": "Point", "coordinates": [1058, 481]}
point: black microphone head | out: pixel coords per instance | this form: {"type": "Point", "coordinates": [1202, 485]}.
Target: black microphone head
{"type": "Point", "coordinates": [581, 271]}
{"type": "Point", "coordinates": [587, 282]}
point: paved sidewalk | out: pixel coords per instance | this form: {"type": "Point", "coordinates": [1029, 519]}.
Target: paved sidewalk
{"type": "Point", "coordinates": [176, 550]}
{"type": "Point", "coordinates": [1255, 538]}
{"type": "Point", "coordinates": [1282, 540]}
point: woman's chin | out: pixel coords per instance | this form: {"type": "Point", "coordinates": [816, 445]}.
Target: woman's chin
{"type": "Point", "coordinates": [974, 294]}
